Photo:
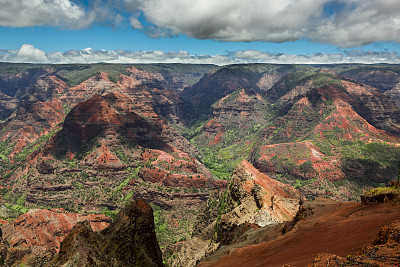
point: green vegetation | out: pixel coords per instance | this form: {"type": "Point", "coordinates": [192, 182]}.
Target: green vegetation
{"type": "Point", "coordinates": [75, 74]}
{"type": "Point", "coordinates": [21, 200]}
{"type": "Point", "coordinates": [373, 162]}
{"type": "Point", "coordinates": [110, 213]}
{"type": "Point", "coordinates": [30, 148]}
{"type": "Point", "coordinates": [382, 190]}
{"type": "Point", "coordinates": [5, 149]}
{"type": "Point", "coordinates": [324, 79]}
{"type": "Point", "coordinates": [172, 227]}
{"type": "Point", "coordinates": [18, 208]}
{"type": "Point", "coordinates": [117, 193]}
{"type": "Point", "coordinates": [15, 204]}
{"type": "Point", "coordinates": [222, 160]}
{"type": "Point", "coordinates": [163, 230]}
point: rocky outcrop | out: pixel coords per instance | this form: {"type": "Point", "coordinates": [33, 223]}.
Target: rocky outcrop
{"type": "Point", "coordinates": [35, 237]}
{"type": "Point", "coordinates": [262, 200]}
{"type": "Point", "coordinates": [129, 241]}
{"type": "Point", "coordinates": [252, 201]}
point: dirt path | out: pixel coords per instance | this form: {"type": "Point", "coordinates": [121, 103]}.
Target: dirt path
{"type": "Point", "coordinates": [337, 228]}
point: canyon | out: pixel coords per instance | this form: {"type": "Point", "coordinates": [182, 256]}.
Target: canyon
{"type": "Point", "coordinates": [221, 153]}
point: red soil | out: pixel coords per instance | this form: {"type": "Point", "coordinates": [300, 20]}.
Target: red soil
{"type": "Point", "coordinates": [338, 228]}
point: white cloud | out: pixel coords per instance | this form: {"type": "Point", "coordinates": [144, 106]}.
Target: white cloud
{"type": "Point", "coordinates": [29, 54]}
{"type": "Point", "coordinates": [360, 22]}
{"type": "Point", "coordinates": [233, 20]}
{"type": "Point", "coordinates": [25, 13]}
{"type": "Point", "coordinates": [64, 13]}
{"type": "Point", "coordinates": [352, 23]}
{"type": "Point", "coordinates": [135, 23]}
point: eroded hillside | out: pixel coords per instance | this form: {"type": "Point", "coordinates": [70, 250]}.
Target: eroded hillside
{"type": "Point", "coordinates": [89, 138]}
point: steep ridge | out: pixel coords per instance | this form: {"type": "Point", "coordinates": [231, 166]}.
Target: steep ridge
{"type": "Point", "coordinates": [240, 111]}
{"type": "Point", "coordinates": [129, 241]}
{"type": "Point", "coordinates": [213, 86]}
{"type": "Point", "coordinates": [161, 99]}
{"type": "Point", "coordinates": [386, 79]}
{"type": "Point", "coordinates": [34, 237]}
{"type": "Point", "coordinates": [49, 86]}
{"type": "Point", "coordinates": [98, 84]}
{"type": "Point", "coordinates": [382, 78]}
{"type": "Point", "coordinates": [32, 120]}
{"type": "Point", "coordinates": [315, 136]}
{"type": "Point", "coordinates": [16, 82]}
{"type": "Point", "coordinates": [394, 94]}
{"type": "Point", "coordinates": [109, 115]}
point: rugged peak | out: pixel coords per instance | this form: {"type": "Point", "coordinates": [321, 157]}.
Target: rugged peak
{"type": "Point", "coordinates": [129, 241]}
{"type": "Point", "coordinates": [113, 114]}
{"type": "Point", "coordinates": [98, 84]}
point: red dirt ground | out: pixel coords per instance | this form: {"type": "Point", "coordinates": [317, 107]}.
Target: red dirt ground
{"type": "Point", "coordinates": [340, 228]}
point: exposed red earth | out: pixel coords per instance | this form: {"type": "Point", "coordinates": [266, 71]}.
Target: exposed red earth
{"type": "Point", "coordinates": [340, 228]}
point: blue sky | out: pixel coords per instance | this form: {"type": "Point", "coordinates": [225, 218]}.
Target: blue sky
{"type": "Point", "coordinates": [224, 31]}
